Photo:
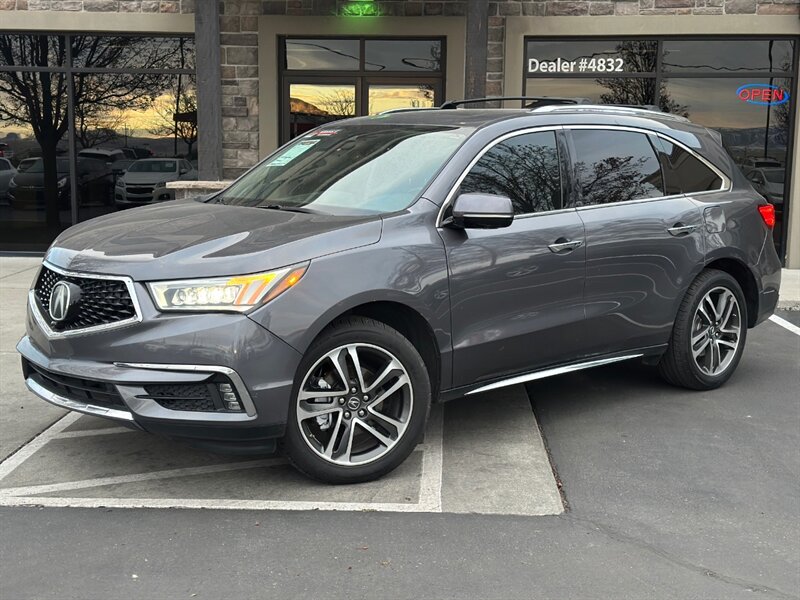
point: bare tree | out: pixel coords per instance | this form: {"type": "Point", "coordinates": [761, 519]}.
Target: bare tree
{"type": "Point", "coordinates": [176, 115]}
{"type": "Point", "coordinates": [338, 102]}
{"type": "Point", "coordinates": [39, 99]}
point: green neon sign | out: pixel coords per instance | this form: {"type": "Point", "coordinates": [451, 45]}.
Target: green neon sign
{"type": "Point", "coordinates": [360, 8]}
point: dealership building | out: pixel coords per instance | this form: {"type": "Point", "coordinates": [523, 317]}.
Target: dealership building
{"type": "Point", "coordinates": [92, 89]}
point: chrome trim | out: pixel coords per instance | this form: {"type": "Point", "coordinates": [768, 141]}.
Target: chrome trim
{"type": "Point", "coordinates": [682, 229]}
{"type": "Point", "coordinates": [449, 198]}
{"type": "Point", "coordinates": [241, 388]}
{"type": "Point", "coordinates": [41, 320]}
{"type": "Point", "coordinates": [551, 372]}
{"type": "Point", "coordinates": [81, 407]}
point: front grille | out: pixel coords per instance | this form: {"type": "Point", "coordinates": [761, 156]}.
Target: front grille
{"type": "Point", "coordinates": [139, 190]}
{"type": "Point", "coordinates": [196, 397]}
{"type": "Point", "coordinates": [78, 389]}
{"type": "Point", "coordinates": [102, 301]}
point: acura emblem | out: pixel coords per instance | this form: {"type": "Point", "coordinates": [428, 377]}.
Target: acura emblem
{"type": "Point", "coordinates": [62, 299]}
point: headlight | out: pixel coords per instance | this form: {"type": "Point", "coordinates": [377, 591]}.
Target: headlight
{"type": "Point", "coordinates": [62, 182]}
{"type": "Point", "coordinates": [120, 183]}
{"type": "Point", "coordinates": [240, 293]}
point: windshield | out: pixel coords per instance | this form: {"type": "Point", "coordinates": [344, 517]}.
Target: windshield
{"type": "Point", "coordinates": [776, 176]}
{"type": "Point", "coordinates": [349, 170]}
{"type": "Point", "coordinates": [153, 166]}
{"type": "Point", "coordinates": [37, 166]}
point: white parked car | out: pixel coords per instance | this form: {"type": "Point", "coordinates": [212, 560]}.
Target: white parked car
{"type": "Point", "coordinates": [7, 172]}
{"type": "Point", "coordinates": [145, 180]}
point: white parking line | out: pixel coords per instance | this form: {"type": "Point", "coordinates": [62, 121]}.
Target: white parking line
{"type": "Point", "coordinates": [29, 449]}
{"type": "Point", "coordinates": [785, 324]}
{"type": "Point", "coordinates": [48, 488]}
{"type": "Point", "coordinates": [430, 497]}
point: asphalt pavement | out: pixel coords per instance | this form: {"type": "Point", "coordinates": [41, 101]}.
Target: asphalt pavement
{"type": "Point", "coordinates": [668, 493]}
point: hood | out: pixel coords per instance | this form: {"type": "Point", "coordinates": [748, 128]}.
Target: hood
{"type": "Point", "coordinates": [27, 179]}
{"type": "Point", "coordinates": [188, 239]}
{"type": "Point", "coordinates": [147, 178]}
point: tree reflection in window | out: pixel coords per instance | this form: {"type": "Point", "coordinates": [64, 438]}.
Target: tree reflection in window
{"type": "Point", "coordinates": [524, 168]}
{"type": "Point", "coordinates": [616, 166]}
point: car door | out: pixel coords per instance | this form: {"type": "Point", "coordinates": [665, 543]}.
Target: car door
{"type": "Point", "coordinates": [644, 242]}
{"type": "Point", "coordinates": [517, 292]}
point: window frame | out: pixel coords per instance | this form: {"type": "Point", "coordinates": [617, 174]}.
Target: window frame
{"type": "Point", "coordinates": [563, 171]}
{"type": "Point", "coordinates": [724, 187]}
{"type": "Point", "coordinates": [559, 160]}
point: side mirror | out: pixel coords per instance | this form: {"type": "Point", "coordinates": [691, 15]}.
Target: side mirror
{"type": "Point", "coordinates": [183, 171]}
{"type": "Point", "coordinates": [482, 211]}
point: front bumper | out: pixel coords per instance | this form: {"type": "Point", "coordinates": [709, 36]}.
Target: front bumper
{"type": "Point", "coordinates": [168, 349]}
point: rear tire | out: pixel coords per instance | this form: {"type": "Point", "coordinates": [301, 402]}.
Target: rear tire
{"type": "Point", "coordinates": [709, 333]}
{"type": "Point", "coordinates": [362, 428]}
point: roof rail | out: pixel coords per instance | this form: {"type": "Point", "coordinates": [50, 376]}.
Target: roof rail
{"type": "Point", "coordinates": [537, 100]}
{"type": "Point", "coordinates": [629, 109]}
{"type": "Point", "coordinates": [407, 109]}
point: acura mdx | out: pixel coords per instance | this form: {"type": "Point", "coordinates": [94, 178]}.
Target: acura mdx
{"type": "Point", "coordinates": [376, 265]}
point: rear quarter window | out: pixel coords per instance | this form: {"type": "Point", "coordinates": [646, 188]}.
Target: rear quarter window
{"type": "Point", "coordinates": [685, 173]}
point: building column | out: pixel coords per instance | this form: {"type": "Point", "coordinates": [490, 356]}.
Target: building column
{"type": "Point", "coordinates": [209, 90]}
{"type": "Point", "coordinates": [477, 47]}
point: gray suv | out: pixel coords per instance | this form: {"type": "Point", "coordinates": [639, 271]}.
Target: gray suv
{"type": "Point", "coordinates": [376, 265]}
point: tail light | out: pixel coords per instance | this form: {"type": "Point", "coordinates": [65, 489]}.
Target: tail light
{"type": "Point", "coordinates": [767, 212]}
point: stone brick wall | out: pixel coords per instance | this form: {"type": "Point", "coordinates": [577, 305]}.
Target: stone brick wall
{"type": "Point", "coordinates": [136, 6]}
{"type": "Point", "coordinates": [239, 38]}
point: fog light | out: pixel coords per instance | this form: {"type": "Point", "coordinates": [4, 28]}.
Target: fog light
{"type": "Point", "coordinates": [229, 398]}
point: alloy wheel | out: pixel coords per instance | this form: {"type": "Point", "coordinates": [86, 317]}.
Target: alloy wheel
{"type": "Point", "coordinates": [716, 331]}
{"type": "Point", "coordinates": [354, 404]}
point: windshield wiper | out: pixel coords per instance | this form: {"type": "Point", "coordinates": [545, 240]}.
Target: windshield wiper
{"type": "Point", "coordinates": [300, 209]}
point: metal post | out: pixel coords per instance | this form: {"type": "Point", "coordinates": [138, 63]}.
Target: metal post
{"type": "Point", "coordinates": [209, 90]}
{"type": "Point", "coordinates": [477, 48]}
{"type": "Point", "coordinates": [71, 144]}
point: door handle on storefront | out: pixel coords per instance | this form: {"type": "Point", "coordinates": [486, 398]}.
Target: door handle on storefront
{"type": "Point", "coordinates": [560, 247]}
{"type": "Point", "coordinates": [679, 229]}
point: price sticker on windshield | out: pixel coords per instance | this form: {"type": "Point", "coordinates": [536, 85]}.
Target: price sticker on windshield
{"type": "Point", "coordinates": [291, 153]}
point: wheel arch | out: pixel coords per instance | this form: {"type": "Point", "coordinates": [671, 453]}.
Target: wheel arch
{"type": "Point", "coordinates": [737, 269]}
{"type": "Point", "coordinates": [405, 319]}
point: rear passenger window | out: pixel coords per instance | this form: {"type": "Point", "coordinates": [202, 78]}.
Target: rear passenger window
{"type": "Point", "coordinates": [616, 166]}
{"type": "Point", "coordinates": [524, 168]}
{"type": "Point", "coordinates": [686, 174]}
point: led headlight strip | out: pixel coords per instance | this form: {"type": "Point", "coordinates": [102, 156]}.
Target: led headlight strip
{"type": "Point", "coordinates": [239, 293]}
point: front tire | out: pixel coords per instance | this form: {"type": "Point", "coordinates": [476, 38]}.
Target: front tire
{"type": "Point", "coordinates": [359, 404]}
{"type": "Point", "coordinates": [709, 333]}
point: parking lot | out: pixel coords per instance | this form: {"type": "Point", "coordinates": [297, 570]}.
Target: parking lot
{"type": "Point", "coordinates": [668, 493]}
{"type": "Point", "coordinates": [491, 443]}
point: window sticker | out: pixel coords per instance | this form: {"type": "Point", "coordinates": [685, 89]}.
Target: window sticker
{"type": "Point", "coordinates": [291, 153]}
{"type": "Point", "coordinates": [326, 132]}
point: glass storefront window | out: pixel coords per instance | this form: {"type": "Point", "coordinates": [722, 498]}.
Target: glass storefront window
{"type": "Point", "coordinates": [545, 57]}
{"type": "Point", "coordinates": [742, 88]}
{"type": "Point", "coordinates": [387, 97]}
{"type": "Point", "coordinates": [137, 102]}
{"type": "Point", "coordinates": [755, 135]}
{"type": "Point", "coordinates": [312, 105]}
{"type": "Point", "coordinates": [610, 90]}
{"type": "Point", "coordinates": [403, 55]}
{"type": "Point", "coordinates": [728, 56]}
{"type": "Point", "coordinates": [133, 52]}
{"type": "Point", "coordinates": [322, 55]}
{"type": "Point", "coordinates": [348, 77]}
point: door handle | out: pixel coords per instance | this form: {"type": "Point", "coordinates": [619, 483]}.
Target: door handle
{"type": "Point", "coordinates": [560, 247]}
{"type": "Point", "coordinates": [680, 229]}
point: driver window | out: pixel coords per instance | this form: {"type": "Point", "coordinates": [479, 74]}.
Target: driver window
{"type": "Point", "coordinates": [524, 168]}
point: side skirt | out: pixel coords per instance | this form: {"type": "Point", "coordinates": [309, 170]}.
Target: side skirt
{"type": "Point", "coordinates": [650, 353]}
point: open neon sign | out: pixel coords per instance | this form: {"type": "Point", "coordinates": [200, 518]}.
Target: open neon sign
{"type": "Point", "coordinates": [763, 94]}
